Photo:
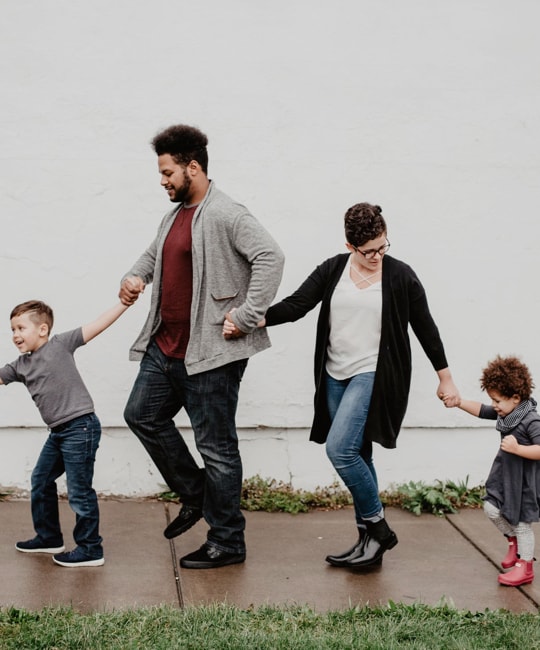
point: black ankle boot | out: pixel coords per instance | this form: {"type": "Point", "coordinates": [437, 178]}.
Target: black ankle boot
{"type": "Point", "coordinates": [341, 559]}
{"type": "Point", "coordinates": [379, 539]}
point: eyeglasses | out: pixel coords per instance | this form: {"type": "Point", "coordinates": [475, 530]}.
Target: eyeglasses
{"type": "Point", "coordinates": [370, 254]}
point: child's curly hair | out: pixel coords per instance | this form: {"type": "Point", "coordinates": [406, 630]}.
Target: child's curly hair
{"type": "Point", "coordinates": [508, 376]}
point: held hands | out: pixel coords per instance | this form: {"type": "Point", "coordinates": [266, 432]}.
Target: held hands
{"type": "Point", "coordinates": [130, 289]}
{"type": "Point", "coordinates": [448, 393]}
{"type": "Point", "coordinates": [230, 330]}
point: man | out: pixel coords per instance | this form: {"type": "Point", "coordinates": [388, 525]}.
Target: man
{"type": "Point", "coordinates": [210, 257]}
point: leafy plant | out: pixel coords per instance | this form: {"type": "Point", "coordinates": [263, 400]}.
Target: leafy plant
{"type": "Point", "coordinates": [270, 495]}
{"type": "Point", "coordinates": [276, 496]}
{"type": "Point", "coordinates": [438, 499]}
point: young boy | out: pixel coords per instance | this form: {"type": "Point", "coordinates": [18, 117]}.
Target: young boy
{"type": "Point", "coordinates": [47, 368]}
{"type": "Point", "coordinates": [512, 501]}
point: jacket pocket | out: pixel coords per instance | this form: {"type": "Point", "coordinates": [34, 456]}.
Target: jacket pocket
{"type": "Point", "coordinates": [222, 302]}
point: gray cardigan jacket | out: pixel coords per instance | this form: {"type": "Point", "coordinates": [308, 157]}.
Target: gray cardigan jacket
{"type": "Point", "coordinates": [236, 263]}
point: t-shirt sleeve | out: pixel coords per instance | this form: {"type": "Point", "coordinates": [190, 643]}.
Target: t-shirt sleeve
{"type": "Point", "coordinates": [9, 373]}
{"type": "Point", "coordinates": [487, 412]}
{"type": "Point", "coordinates": [533, 431]}
{"type": "Point", "coordinates": [72, 339]}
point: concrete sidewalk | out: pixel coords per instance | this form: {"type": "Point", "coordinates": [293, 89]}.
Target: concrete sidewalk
{"type": "Point", "coordinates": [453, 560]}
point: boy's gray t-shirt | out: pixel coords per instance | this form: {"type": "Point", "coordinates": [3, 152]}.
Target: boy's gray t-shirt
{"type": "Point", "coordinates": [52, 378]}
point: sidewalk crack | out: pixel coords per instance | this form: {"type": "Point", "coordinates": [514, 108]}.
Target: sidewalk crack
{"type": "Point", "coordinates": [490, 560]}
{"type": "Point", "coordinates": [174, 558]}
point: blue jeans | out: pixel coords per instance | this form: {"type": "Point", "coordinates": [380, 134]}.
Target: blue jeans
{"type": "Point", "coordinates": [70, 448]}
{"type": "Point", "coordinates": [210, 399]}
{"type": "Point", "coordinates": [348, 405]}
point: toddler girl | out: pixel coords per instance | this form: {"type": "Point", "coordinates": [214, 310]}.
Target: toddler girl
{"type": "Point", "coordinates": [513, 486]}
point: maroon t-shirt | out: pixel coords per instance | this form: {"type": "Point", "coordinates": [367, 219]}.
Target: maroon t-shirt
{"type": "Point", "coordinates": [176, 286]}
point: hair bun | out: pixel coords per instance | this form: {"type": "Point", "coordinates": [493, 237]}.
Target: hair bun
{"type": "Point", "coordinates": [377, 209]}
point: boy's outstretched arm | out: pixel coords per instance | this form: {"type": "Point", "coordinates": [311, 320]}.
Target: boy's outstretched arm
{"type": "Point", "coordinates": [91, 330]}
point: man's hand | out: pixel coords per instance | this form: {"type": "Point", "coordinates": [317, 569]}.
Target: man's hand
{"type": "Point", "coordinates": [130, 290]}
{"type": "Point", "coordinates": [230, 330]}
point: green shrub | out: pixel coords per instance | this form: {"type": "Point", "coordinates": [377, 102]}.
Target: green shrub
{"type": "Point", "coordinates": [439, 499]}
{"type": "Point", "coordinates": [270, 495]}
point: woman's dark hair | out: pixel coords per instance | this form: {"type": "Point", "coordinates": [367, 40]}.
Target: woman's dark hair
{"type": "Point", "coordinates": [363, 222]}
{"type": "Point", "coordinates": [184, 143]}
{"type": "Point", "coordinates": [508, 376]}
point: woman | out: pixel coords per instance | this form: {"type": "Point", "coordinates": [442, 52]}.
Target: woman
{"type": "Point", "coordinates": [363, 363]}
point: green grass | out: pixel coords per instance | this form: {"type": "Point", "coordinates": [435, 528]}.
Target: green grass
{"type": "Point", "coordinates": [224, 627]}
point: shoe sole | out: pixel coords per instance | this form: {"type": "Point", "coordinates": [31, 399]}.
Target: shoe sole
{"type": "Point", "coordinates": [175, 532]}
{"type": "Point", "coordinates": [58, 549]}
{"type": "Point", "coordinates": [99, 562]}
{"type": "Point", "coordinates": [188, 564]}
{"type": "Point", "coordinates": [516, 584]}
{"type": "Point", "coordinates": [344, 564]}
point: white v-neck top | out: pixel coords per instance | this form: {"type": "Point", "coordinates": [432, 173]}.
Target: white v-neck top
{"type": "Point", "coordinates": [355, 328]}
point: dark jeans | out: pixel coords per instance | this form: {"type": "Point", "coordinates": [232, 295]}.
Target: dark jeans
{"type": "Point", "coordinates": [210, 399]}
{"type": "Point", "coordinates": [70, 448]}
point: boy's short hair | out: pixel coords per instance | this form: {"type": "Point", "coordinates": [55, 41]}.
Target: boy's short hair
{"type": "Point", "coordinates": [37, 311]}
{"type": "Point", "coordinates": [508, 376]}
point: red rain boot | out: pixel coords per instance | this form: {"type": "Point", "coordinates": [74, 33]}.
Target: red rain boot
{"type": "Point", "coordinates": [511, 556]}
{"type": "Point", "coordinates": [521, 574]}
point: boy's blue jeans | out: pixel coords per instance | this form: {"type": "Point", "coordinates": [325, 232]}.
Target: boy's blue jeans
{"type": "Point", "coordinates": [210, 399]}
{"type": "Point", "coordinates": [70, 448]}
{"type": "Point", "coordinates": [348, 405]}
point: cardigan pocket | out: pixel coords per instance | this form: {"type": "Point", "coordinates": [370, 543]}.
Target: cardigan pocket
{"type": "Point", "coordinates": [222, 303]}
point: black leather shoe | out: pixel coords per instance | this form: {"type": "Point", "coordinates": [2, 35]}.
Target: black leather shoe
{"type": "Point", "coordinates": [187, 518]}
{"type": "Point", "coordinates": [210, 557]}
{"type": "Point", "coordinates": [341, 559]}
{"type": "Point", "coordinates": [379, 539]}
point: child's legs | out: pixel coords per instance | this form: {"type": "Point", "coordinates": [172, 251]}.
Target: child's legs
{"type": "Point", "coordinates": [80, 441]}
{"type": "Point", "coordinates": [44, 495]}
{"type": "Point", "coordinates": [348, 404]}
{"type": "Point", "coordinates": [523, 532]}
{"type": "Point", "coordinates": [525, 541]}
{"type": "Point", "coordinates": [494, 514]}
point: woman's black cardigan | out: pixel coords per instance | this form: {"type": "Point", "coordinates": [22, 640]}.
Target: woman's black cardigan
{"type": "Point", "coordinates": [403, 301]}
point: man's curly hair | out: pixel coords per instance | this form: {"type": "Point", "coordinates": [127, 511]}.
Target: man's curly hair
{"type": "Point", "coordinates": [508, 376]}
{"type": "Point", "coordinates": [364, 222]}
{"type": "Point", "coordinates": [184, 143]}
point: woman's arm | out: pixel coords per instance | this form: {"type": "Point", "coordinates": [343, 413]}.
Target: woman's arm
{"type": "Point", "coordinates": [299, 303]}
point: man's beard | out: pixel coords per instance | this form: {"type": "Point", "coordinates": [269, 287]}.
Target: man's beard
{"type": "Point", "coordinates": [181, 195]}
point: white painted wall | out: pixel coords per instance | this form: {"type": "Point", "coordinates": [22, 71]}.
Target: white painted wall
{"type": "Point", "coordinates": [428, 108]}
